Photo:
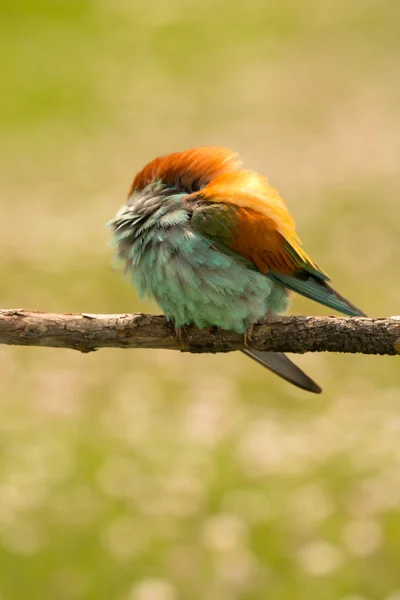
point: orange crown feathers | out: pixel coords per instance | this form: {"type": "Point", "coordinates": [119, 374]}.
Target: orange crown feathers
{"type": "Point", "coordinates": [189, 170]}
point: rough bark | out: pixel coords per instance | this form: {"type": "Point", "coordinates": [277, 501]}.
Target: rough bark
{"type": "Point", "coordinates": [88, 332]}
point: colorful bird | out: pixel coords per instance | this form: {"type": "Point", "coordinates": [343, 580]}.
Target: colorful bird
{"type": "Point", "coordinates": [214, 245]}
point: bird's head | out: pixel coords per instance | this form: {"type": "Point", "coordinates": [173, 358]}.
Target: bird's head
{"type": "Point", "coordinates": [187, 171]}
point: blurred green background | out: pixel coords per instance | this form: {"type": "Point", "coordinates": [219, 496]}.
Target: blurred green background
{"type": "Point", "coordinates": [128, 475]}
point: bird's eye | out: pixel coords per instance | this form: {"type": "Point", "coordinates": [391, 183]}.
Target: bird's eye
{"type": "Point", "coordinates": [195, 185]}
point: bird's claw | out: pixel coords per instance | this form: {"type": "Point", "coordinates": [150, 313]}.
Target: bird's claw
{"type": "Point", "coordinates": [248, 334]}
{"type": "Point", "coordinates": [180, 333]}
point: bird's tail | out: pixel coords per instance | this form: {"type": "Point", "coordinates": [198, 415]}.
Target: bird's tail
{"type": "Point", "coordinates": [281, 365]}
{"type": "Point", "coordinates": [317, 289]}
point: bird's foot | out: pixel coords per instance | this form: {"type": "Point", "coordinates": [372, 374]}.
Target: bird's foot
{"type": "Point", "coordinates": [248, 334]}
{"type": "Point", "coordinates": [180, 333]}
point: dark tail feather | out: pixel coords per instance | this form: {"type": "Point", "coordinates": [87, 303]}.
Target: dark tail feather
{"type": "Point", "coordinates": [281, 365]}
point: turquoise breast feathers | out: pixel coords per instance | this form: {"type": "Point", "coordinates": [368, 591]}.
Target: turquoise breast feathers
{"type": "Point", "coordinates": [191, 280]}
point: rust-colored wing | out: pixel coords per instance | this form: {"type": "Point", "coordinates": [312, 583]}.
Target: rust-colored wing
{"type": "Point", "coordinates": [244, 214]}
{"type": "Point", "coordinates": [254, 222]}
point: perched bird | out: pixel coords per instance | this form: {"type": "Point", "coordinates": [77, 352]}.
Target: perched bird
{"type": "Point", "coordinates": [214, 245]}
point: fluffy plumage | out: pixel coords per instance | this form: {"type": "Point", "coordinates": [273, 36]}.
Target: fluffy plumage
{"type": "Point", "coordinates": [214, 244]}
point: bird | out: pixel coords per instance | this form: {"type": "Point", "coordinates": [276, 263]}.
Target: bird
{"type": "Point", "coordinates": [215, 246]}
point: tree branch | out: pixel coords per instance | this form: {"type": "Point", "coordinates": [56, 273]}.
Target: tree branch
{"type": "Point", "coordinates": [87, 332]}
